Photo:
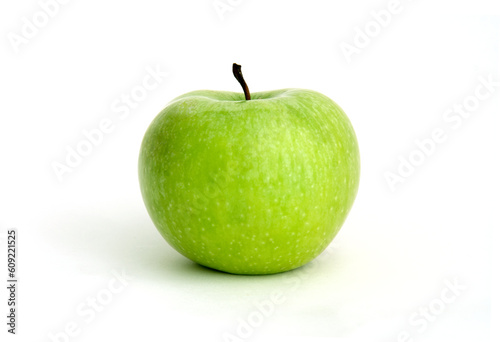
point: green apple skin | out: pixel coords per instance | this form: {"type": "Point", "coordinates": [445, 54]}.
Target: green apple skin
{"type": "Point", "coordinates": [250, 187]}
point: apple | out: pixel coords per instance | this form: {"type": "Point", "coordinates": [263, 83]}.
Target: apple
{"type": "Point", "coordinates": [249, 183]}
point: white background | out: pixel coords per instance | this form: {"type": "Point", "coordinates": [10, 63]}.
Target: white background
{"type": "Point", "coordinates": [397, 249]}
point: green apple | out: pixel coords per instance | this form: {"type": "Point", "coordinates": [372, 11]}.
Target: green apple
{"type": "Point", "coordinates": [249, 184]}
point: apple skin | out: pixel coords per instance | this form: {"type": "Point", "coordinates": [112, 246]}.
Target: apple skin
{"type": "Point", "coordinates": [250, 187]}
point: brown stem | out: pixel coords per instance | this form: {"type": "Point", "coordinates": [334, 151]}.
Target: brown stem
{"type": "Point", "coordinates": [239, 76]}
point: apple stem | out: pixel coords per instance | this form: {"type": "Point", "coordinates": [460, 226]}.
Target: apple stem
{"type": "Point", "coordinates": [239, 76]}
